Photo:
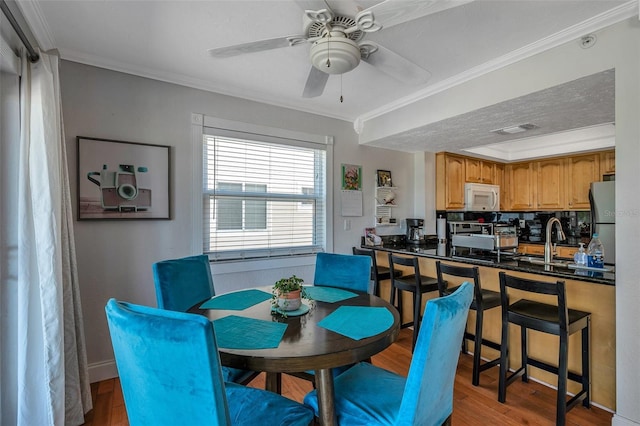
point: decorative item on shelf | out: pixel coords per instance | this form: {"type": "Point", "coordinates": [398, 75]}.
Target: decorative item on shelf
{"type": "Point", "coordinates": [370, 237]}
{"type": "Point", "coordinates": [288, 294]}
{"type": "Point", "coordinates": [384, 178]}
{"type": "Point", "coordinates": [390, 198]}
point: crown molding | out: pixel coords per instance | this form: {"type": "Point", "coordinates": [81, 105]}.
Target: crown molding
{"type": "Point", "coordinates": [37, 24]}
{"type": "Point", "coordinates": [611, 17]}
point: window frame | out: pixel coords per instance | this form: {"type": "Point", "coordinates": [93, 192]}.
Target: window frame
{"type": "Point", "coordinates": [202, 124]}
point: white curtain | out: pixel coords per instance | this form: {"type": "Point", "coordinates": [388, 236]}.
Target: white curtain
{"type": "Point", "coordinates": [53, 383]}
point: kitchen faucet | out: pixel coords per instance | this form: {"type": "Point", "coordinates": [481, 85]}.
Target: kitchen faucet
{"type": "Point", "coordinates": [549, 249]}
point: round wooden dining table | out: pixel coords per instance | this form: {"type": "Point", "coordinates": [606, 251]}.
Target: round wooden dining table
{"type": "Point", "coordinates": [306, 345]}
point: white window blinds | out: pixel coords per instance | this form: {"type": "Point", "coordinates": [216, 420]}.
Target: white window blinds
{"type": "Point", "coordinates": [262, 198]}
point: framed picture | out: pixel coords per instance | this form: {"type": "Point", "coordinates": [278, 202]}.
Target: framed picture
{"type": "Point", "coordinates": [351, 177]}
{"type": "Point", "coordinates": [123, 180]}
{"type": "Point", "coordinates": [384, 178]}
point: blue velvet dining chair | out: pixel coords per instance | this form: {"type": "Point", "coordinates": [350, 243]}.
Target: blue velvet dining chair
{"type": "Point", "coordinates": [170, 373]}
{"type": "Point", "coordinates": [350, 272]}
{"type": "Point", "coordinates": [369, 395]}
{"type": "Point", "coordinates": [180, 284]}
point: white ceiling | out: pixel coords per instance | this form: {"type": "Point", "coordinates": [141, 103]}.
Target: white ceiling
{"type": "Point", "coordinates": [169, 40]}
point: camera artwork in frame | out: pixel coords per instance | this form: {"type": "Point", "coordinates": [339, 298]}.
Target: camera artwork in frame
{"type": "Point", "coordinates": [384, 178]}
{"type": "Point", "coordinates": [122, 180]}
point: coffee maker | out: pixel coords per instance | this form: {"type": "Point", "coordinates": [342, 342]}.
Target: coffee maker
{"type": "Point", "coordinates": [415, 231]}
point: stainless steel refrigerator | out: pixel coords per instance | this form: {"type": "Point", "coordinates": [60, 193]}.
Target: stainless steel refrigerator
{"type": "Point", "coordinates": [602, 197]}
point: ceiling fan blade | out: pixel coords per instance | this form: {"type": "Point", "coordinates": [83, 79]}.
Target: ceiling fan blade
{"type": "Point", "coordinates": [316, 82]}
{"type": "Point", "coordinates": [396, 66]}
{"type": "Point", "coordinates": [256, 46]}
{"type": "Point", "coordinates": [336, 7]}
{"type": "Point", "coordinates": [394, 12]}
{"type": "Point", "coordinates": [312, 4]}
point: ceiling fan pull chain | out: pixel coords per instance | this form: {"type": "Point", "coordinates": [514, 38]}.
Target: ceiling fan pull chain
{"type": "Point", "coordinates": [341, 99]}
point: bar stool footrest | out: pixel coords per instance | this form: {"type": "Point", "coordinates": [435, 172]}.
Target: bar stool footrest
{"type": "Point", "coordinates": [511, 378]}
{"type": "Point", "coordinates": [489, 364]}
{"type": "Point", "coordinates": [580, 396]}
{"type": "Point", "coordinates": [553, 369]}
{"type": "Point", "coordinates": [406, 324]}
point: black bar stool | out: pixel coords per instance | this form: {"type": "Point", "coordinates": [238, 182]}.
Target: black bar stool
{"type": "Point", "coordinates": [378, 273]}
{"type": "Point", "coordinates": [416, 284]}
{"type": "Point", "coordinates": [483, 300]}
{"type": "Point", "coordinates": [552, 319]}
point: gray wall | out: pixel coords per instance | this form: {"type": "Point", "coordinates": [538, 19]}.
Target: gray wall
{"type": "Point", "coordinates": [115, 258]}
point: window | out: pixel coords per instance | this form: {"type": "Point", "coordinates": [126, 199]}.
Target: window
{"type": "Point", "coordinates": [241, 214]}
{"type": "Point", "coordinates": [262, 198]}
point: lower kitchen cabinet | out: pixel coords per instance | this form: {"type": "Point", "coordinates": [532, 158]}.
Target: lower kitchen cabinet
{"type": "Point", "coordinates": [535, 249]}
{"type": "Point", "coordinates": [564, 252]}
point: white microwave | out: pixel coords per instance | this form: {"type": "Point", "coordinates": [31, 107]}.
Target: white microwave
{"type": "Point", "coordinates": [480, 197]}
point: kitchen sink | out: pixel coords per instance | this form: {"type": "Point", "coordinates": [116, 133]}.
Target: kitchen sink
{"type": "Point", "coordinates": [540, 261]}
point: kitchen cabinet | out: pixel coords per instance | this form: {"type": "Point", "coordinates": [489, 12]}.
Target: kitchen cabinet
{"type": "Point", "coordinates": [498, 179]}
{"type": "Point", "coordinates": [566, 252]}
{"type": "Point", "coordinates": [450, 178]}
{"type": "Point", "coordinates": [521, 186]}
{"type": "Point", "coordinates": [550, 183]}
{"type": "Point", "coordinates": [385, 203]}
{"type": "Point", "coordinates": [535, 249]}
{"type": "Point", "coordinates": [607, 163]}
{"type": "Point", "coordinates": [479, 171]}
{"type": "Point", "coordinates": [581, 171]}
{"type": "Point", "coordinates": [558, 183]}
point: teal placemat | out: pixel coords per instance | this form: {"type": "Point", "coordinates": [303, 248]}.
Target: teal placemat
{"type": "Point", "coordinates": [358, 322]}
{"type": "Point", "coordinates": [328, 294]}
{"type": "Point", "coordinates": [234, 332]}
{"type": "Point", "coordinates": [236, 301]}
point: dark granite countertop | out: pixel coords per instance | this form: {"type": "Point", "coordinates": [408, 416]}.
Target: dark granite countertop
{"type": "Point", "coordinates": [507, 261]}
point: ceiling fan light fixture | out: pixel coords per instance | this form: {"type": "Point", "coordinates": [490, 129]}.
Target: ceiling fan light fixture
{"type": "Point", "coordinates": [341, 53]}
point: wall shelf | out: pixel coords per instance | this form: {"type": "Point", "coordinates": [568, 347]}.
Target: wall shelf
{"type": "Point", "coordinates": [384, 216]}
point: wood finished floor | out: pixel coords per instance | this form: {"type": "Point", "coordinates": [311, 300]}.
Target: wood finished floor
{"type": "Point", "coordinates": [527, 403]}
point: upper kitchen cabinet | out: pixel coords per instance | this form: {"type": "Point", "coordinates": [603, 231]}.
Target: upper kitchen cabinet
{"type": "Point", "coordinates": [450, 178]}
{"type": "Point", "coordinates": [521, 186]}
{"type": "Point", "coordinates": [557, 183]}
{"type": "Point", "coordinates": [581, 171]}
{"type": "Point", "coordinates": [479, 171]}
{"type": "Point", "coordinates": [550, 175]}
{"type": "Point", "coordinates": [607, 163]}
{"type": "Point", "coordinates": [499, 179]}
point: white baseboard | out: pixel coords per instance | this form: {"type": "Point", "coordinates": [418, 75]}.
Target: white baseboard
{"type": "Point", "coordinates": [102, 371]}
{"type": "Point", "coordinates": [622, 421]}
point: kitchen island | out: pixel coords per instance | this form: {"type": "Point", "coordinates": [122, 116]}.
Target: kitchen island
{"type": "Point", "coordinates": [586, 290]}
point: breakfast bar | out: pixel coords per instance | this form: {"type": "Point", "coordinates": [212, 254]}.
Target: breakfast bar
{"type": "Point", "coordinates": [590, 291]}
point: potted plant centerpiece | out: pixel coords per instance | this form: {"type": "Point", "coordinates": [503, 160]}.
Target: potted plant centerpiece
{"type": "Point", "coordinates": [288, 293]}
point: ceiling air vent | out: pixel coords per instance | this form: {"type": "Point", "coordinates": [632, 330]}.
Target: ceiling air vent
{"type": "Point", "coordinates": [514, 129]}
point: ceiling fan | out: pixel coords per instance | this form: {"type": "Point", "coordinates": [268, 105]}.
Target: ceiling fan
{"type": "Point", "coordinates": [337, 44]}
